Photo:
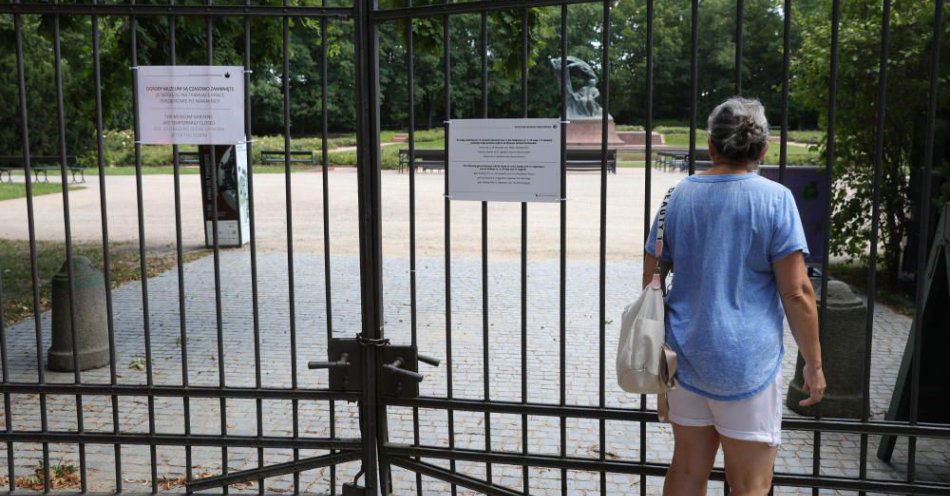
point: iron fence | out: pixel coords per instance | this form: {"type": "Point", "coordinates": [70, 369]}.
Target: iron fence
{"type": "Point", "coordinates": [377, 454]}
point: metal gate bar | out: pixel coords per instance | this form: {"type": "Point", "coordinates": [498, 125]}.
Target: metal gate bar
{"type": "Point", "coordinates": [366, 15]}
{"type": "Point", "coordinates": [150, 390]}
{"type": "Point", "coordinates": [402, 452]}
{"type": "Point", "coordinates": [647, 197]}
{"type": "Point", "coordinates": [34, 264]}
{"type": "Point", "coordinates": [817, 425]}
{"type": "Point", "coordinates": [525, 55]}
{"type": "Point", "coordinates": [922, 245]}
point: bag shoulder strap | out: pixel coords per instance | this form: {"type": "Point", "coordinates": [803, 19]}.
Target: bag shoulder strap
{"type": "Point", "coordinates": [661, 227]}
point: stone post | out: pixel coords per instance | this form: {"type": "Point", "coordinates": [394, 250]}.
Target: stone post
{"type": "Point", "coordinates": [91, 330]}
{"type": "Point", "coordinates": [843, 357]}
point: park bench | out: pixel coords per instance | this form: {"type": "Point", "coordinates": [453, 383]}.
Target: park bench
{"type": "Point", "coordinates": [296, 157]}
{"type": "Point", "coordinates": [43, 165]}
{"type": "Point", "coordinates": [678, 159]}
{"type": "Point", "coordinates": [577, 160]}
{"type": "Point", "coordinates": [189, 158]}
{"type": "Point", "coordinates": [590, 159]}
{"type": "Point", "coordinates": [7, 166]}
{"type": "Point", "coordinates": [424, 159]}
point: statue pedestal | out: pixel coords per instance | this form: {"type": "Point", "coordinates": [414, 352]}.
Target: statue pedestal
{"type": "Point", "coordinates": [589, 133]}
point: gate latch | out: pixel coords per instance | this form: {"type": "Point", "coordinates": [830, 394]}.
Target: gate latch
{"type": "Point", "coordinates": [343, 365]}
{"type": "Point", "coordinates": [401, 377]}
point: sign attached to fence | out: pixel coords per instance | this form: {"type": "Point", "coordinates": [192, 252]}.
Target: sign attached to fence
{"type": "Point", "coordinates": [190, 104]}
{"type": "Point", "coordinates": [517, 160]}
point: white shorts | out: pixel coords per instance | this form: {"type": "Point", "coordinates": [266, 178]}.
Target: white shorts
{"type": "Point", "coordinates": [757, 418]}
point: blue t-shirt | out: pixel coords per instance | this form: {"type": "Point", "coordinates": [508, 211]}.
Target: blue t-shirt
{"type": "Point", "coordinates": [725, 313]}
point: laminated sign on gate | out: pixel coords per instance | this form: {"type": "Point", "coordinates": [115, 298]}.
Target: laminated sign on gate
{"type": "Point", "coordinates": [516, 160]}
{"type": "Point", "coordinates": [190, 104]}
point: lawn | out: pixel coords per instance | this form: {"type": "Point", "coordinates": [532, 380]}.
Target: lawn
{"type": "Point", "coordinates": [9, 191]}
{"type": "Point", "coordinates": [797, 154]}
{"type": "Point", "coordinates": [16, 272]}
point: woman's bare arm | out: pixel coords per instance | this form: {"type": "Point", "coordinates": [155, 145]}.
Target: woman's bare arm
{"type": "Point", "coordinates": [798, 298]}
{"type": "Point", "coordinates": [649, 265]}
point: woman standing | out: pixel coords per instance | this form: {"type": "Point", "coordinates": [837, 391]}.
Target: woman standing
{"type": "Point", "coordinates": [736, 244]}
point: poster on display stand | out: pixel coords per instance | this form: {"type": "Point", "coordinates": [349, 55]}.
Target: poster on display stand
{"type": "Point", "coordinates": [227, 163]}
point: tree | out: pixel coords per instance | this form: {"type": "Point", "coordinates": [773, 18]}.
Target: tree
{"type": "Point", "coordinates": [908, 71]}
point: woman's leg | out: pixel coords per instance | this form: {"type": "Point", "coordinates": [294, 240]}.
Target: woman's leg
{"type": "Point", "coordinates": [694, 453]}
{"type": "Point", "coordinates": [749, 466]}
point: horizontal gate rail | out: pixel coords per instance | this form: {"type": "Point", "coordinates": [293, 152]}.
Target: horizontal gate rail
{"type": "Point", "coordinates": [145, 438]}
{"type": "Point", "coordinates": [652, 469]}
{"type": "Point", "coordinates": [467, 8]}
{"type": "Point", "coordinates": [176, 10]}
{"type": "Point", "coordinates": [274, 470]}
{"type": "Point", "coordinates": [454, 478]}
{"type": "Point", "coordinates": [880, 427]}
{"type": "Point", "coordinates": [178, 391]}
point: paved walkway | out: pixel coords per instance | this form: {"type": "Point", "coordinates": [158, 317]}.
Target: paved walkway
{"type": "Point", "coordinates": [840, 452]}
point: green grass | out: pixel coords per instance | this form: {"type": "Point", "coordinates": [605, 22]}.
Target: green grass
{"type": "Point", "coordinates": [9, 191]}
{"type": "Point", "coordinates": [119, 150]}
{"type": "Point", "coordinates": [797, 154]}
{"type": "Point", "coordinates": [16, 271]}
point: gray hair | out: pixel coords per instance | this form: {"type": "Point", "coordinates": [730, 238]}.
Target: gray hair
{"type": "Point", "coordinates": [738, 129]}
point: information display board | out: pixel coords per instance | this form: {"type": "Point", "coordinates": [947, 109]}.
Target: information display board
{"type": "Point", "coordinates": [229, 165]}
{"type": "Point", "coordinates": [516, 160]}
{"type": "Point", "coordinates": [190, 104]}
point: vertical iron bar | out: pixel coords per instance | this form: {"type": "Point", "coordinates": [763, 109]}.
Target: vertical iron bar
{"type": "Point", "coordinates": [67, 228]}
{"type": "Point", "coordinates": [829, 171]}
{"type": "Point", "coordinates": [106, 256]}
{"type": "Point", "coordinates": [447, 69]}
{"type": "Point", "coordinates": [324, 161]}
{"type": "Point", "coordinates": [562, 286]}
{"type": "Point", "coordinates": [143, 269]}
{"type": "Point", "coordinates": [413, 308]}
{"type": "Point", "coordinates": [372, 415]}
{"type": "Point", "coordinates": [786, 55]}
{"type": "Point", "coordinates": [602, 276]}
{"type": "Point", "coordinates": [740, 17]}
{"type": "Point", "coordinates": [216, 247]}
{"type": "Point", "coordinates": [31, 228]}
{"type": "Point", "coordinates": [647, 216]}
{"type": "Point", "coordinates": [924, 233]}
{"type": "Point", "coordinates": [291, 301]}
{"type": "Point", "coordinates": [7, 407]}
{"type": "Point", "coordinates": [485, 338]}
{"type": "Point", "coordinates": [180, 259]}
{"type": "Point", "coordinates": [413, 329]}
{"type": "Point", "coordinates": [875, 229]}
{"type": "Point", "coordinates": [694, 82]}
{"type": "Point", "coordinates": [252, 235]}
{"type": "Point", "coordinates": [526, 52]}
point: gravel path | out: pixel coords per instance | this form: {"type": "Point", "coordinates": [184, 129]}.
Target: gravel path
{"type": "Point", "coordinates": [624, 215]}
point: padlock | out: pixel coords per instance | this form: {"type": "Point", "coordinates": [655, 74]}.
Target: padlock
{"type": "Point", "coordinates": [353, 489]}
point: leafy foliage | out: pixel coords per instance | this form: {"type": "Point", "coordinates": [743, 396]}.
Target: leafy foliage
{"type": "Point", "coordinates": [908, 71]}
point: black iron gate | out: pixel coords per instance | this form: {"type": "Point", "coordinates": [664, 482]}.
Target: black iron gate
{"type": "Point", "coordinates": [365, 367]}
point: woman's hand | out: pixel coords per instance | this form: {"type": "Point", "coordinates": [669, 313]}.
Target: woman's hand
{"type": "Point", "coordinates": [814, 385]}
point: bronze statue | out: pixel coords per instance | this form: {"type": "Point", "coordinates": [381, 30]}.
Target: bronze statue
{"type": "Point", "coordinates": [581, 104]}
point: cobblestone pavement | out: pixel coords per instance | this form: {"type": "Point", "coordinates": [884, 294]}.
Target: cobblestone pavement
{"type": "Point", "coordinates": [839, 452]}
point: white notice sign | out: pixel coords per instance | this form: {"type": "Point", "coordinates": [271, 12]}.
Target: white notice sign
{"type": "Point", "coordinates": [190, 104]}
{"type": "Point", "coordinates": [516, 160]}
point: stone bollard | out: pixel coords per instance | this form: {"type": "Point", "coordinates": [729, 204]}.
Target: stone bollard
{"type": "Point", "coordinates": [843, 358]}
{"type": "Point", "coordinates": [91, 330]}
